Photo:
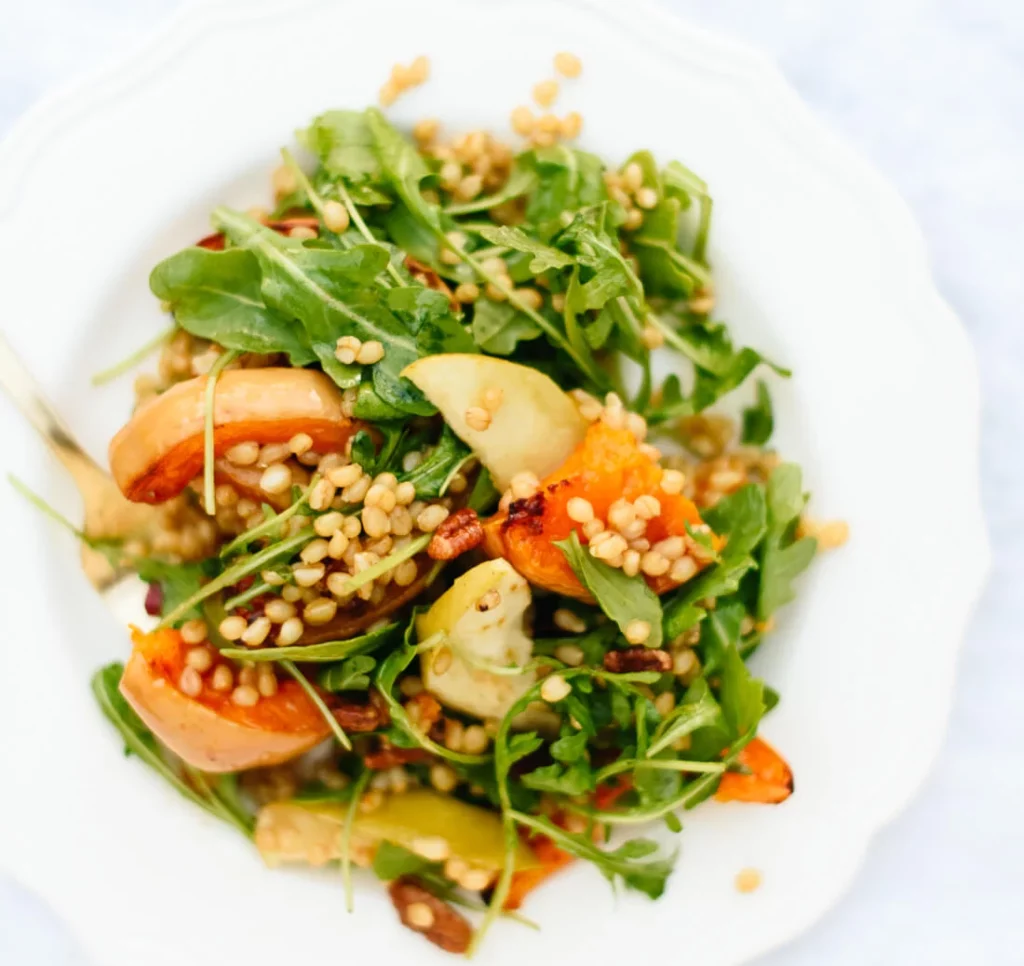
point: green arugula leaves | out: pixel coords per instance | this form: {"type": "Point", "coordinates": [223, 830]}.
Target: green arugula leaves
{"type": "Point", "coordinates": [623, 598]}
{"type": "Point", "coordinates": [217, 296]}
{"type": "Point", "coordinates": [543, 256]}
{"type": "Point", "coordinates": [433, 476]}
{"type": "Point", "coordinates": [758, 418]}
{"type": "Point", "coordinates": [741, 519]}
{"type": "Point", "coordinates": [783, 557]}
{"type": "Point", "coordinates": [352, 674]}
{"type": "Point", "coordinates": [333, 293]}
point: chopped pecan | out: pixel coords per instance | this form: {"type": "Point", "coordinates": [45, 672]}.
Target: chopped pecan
{"type": "Point", "coordinates": [638, 658]}
{"type": "Point", "coordinates": [356, 717]}
{"type": "Point", "coordinates": [388, 756]}
{"type": "Point", "coordinates": [461, 532]}
{"type": "Point", "coordinates": [377, 700]}
{"type": "Point", "coordinates": [425, 913]}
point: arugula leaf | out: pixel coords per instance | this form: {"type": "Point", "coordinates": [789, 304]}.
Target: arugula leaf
{"type": "Point", "coordinates": [570, 747]}
{"type": "Point", "coordinates": [346, 148]}
{"type": "Point", "coordinates": [139, 741]}
{"type": "Point", "coordinates": [599, 252]}
{"type": "Point", "coordinates": [178, 581]}
{"type": "Point", "coordinates": [698, 709]}
{"type": "Point", "coordinates": [403, 167]}
{"type": "Point", "coordinates": [387, 675]}
{"type": "Point", "coordinates": [432, 477]}
{"type": "Point", "coordinates": [484, 494]}
{"type": "Point", "coordinates": [392, 861]}
{"type": "Point", "coordinates": [758, 420]}
{"type": "Point", "coordinates": [363, 451]}
{"type": "Point", "coordinates": [783, 557]}
{"type": "Point", "coordinates": [216, 295]}
{"type": "Point", "coordinates": [629, 864]}
{"type": "Point", "coordinates": [345, 841]}
{"type": "Point", "coordinates": [413, 237]}
{"type": "Point", "coordinates": [656, 785]}
{"type": "Point", "coordinates": [428, 314]}
{"type": "Point", "coordinates": [574, 779]}
{"type": "Point", "coordinates": [720, 368]}
{"type": "Point", "coordinates": [521, 181]}
{"type": "Point", "coordinates": [544, 256]}
{"type": "Point", "coordinates": [666, 271]}
{"type": "Point", "coordinates": [318, 653]}
{"type": "Point", "coordinates": [350, 675]}
{"type": "Point", "coordinates": [719, 632]}
{"type": "Point", "coordinates": [253, 564]}
{"type": "Point", "coordinates": [371, 407]}
{"type": "Point", "coordinates": [740, 694]}
{"type": "Point", "coordinates": [594, 643]}
{"type": "Point", "coordinates": [523, 745]}
{"type": "Point", "coordinates": [623, 599]}
{"type": "Point", "coordinates": [680, 182]}
{"type": "Point", "coordinates": [499, 327]}
{"type": "Point", "coordinates": [567, 179]}
{"type": "Point", "coordinates": [741, 518]}
{"type": "Point", "coordinates": [333, 293]}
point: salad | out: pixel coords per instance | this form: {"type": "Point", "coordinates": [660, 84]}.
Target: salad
{"type": "Point", "coordinates": [447, 583]}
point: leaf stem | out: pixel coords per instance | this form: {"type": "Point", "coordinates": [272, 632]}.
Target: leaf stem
{"type": "Point", "coordinates": [357, 220]}
{"type": "Point", "coordinates": [631, 764]}
{"type": "Point", "coordinates": [391, 561]}
{"type": "Point", "coordinates": [314, 696]}
{"type": "Point", "coordinates": [232, 575]}
{"type": "Point", "coordinates": [346, 838]}
{"type": "Point", "coordinates": [130, 362]}
{"type": "Point", "coordinates": [40, 504]}
{"type": "Point", "coordinates": [266, 528]}
{"type": "Point", "coordinates": [593, 373]}
{"type": "Point", "coordinates": [223, 360]}
{"type": "Point", "coordinates": [214, 803]}
{"type": "Point", "coordinates": [246, 595]}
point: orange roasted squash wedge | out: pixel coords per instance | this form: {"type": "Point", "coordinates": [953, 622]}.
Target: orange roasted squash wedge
{"type": "Point", "coordinates": [524, 881]}
{"type": "Point", "coordinates": [210, 732]}
{"type": "Point", "coordinates": [155, 455]}
{"type": "Point", "coordinates": [607, 466]}
{"type": "Point", "coordinates": [766, 778]}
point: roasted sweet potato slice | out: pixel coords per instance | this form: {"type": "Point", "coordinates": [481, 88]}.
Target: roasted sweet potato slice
{"type": "Point", "coordinates": [160, 449]}
{"type": "Point", "coordinates": [210, 732]}
{"type": "Point", "coordinates": [767, 778]}
{"type": "Point", "coordinates": [607, 466]}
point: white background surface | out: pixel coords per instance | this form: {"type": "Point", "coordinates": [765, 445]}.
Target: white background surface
{"type": "Point", "coordinates": [933, 94]}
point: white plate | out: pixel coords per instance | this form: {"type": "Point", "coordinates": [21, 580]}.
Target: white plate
{"type": "Point", "coordinates": [818, 263]}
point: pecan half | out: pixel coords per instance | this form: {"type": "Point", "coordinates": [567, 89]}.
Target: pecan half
{"type": "Point", "coordinates": [356, 717]}
{"type": "Point", "coordinates": [435, 919]}
{"type": "Point", "coordinates": [459, 533]}
{"type": "Point", "coordinates": [638, 658]}
{"type": "Point", "coordinates": [377, 700]}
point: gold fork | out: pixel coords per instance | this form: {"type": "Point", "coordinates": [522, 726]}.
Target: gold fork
{"type": "Point", "coordinates": [107, 515]}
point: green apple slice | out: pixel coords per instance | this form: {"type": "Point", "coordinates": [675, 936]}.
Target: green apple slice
{"type": "Point", "coordinates": [534, 427]}
{"type": "Point", "coordinates": [481, 617]}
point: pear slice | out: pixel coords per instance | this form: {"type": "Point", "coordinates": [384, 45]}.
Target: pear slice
{"type": "Point", "coordinates": [534, 427]}
{"type": "Point", "coordinates": [482, 619]}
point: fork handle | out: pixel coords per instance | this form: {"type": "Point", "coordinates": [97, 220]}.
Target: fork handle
{"type": "Point", "coordinates": [25, 393]}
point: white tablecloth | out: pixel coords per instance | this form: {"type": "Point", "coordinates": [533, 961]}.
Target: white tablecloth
{"type": "Point", "coordinates": [933, 93]}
